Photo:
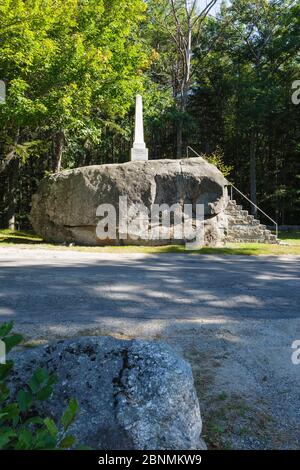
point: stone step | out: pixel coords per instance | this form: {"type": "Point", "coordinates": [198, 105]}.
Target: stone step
{"type": "Point", "coordinates": [238, 238]}
{"type": "Point", "coordinates": [237, 232]}
{"type": "Point", "coordinates": [255, 222]}
{"type": "Point", "coordinates": [244, 213]}
{"type": "Point", "coordinates": [232, 212]}
{"type": "Point", "coordinates": [243, 227]}
{"type": "Point", "coordinates": [246, 240]}
{"type": "Point", "coordinates": [240, 221]}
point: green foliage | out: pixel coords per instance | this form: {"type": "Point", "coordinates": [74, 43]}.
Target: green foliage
{"type": "Point", "coordinates": [72, 69]}
{"type": "Point", "coordinates": [217, 159]}
{"type": "Point", "coordinates": [70, 65]}
{"type": "Point", "coordinates": [21, 428]}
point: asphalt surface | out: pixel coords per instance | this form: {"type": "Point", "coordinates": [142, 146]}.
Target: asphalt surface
{"type": "Point", "coordinates": [233, 317]}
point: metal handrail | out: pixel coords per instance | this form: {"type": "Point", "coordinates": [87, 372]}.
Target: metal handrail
{"type": "Point", "coordinates": [190, 148]}
{"type": "Point", "coordinates": [240, 192]}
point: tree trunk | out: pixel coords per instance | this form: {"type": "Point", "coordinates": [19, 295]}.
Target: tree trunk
{"type": "Point", "coordinates": [184, 90]}
{"type": "Point", "coordinates": [58, 147]}
{"type": "Point", "coordinates": [183, 107]}
{"type": "Point", "coordinates": [179, 145]}
{"type": "Point", "coordinates": [12, 194]}
{"type": "Point", "coordinates": [253, 196]}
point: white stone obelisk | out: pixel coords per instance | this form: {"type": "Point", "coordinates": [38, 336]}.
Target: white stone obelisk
{"type": "Point", "coordinates": [139, 152]}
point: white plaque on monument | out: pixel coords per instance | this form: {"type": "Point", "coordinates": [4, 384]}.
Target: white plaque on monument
{"type": "Point", "coordinates": [139, 152]}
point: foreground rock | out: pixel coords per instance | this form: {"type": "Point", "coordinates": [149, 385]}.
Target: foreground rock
{"type": "Point", "coordinates": [64, 209]}
{"type": "Point", "coordinates": [132, 394]}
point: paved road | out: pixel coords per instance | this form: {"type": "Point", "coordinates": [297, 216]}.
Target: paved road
{"type": "Point", "coordinates": [233, 317]}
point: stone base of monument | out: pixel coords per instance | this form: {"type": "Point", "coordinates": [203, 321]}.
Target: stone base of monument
{"type": "Point", "coordinates": [139, 155]}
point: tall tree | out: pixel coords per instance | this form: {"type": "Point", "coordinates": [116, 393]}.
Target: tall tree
{"type": "Point", "coordinates": [258, 25]}
{"type": "Point", "coordinates": [183, 21]}
{"type": "Point", "coordinates": [72, 68]}
{"type": "Point", "coordinates": [242, 98]}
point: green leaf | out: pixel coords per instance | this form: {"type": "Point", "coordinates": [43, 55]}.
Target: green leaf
{"type": "Point", "coordinates": [70, 414]}
{"type": "Point", "coordinates": [5, 437]}
{"type": "Point", "coordinates": [38, 379]}
{"type": "Point", "coordinates": [44, 393]}
{"type": "Point", "coordinates": [25, 439]}
{"type": "Point", "coordinates": [5, 369]}
{"type": "Point", "coordinates": [6, 328]}
{"type": "Point", "coordinates": [34, 420]}
{"type": "Point", "coordinates": [67, 442]}
{"type": "Point", "coordinates": [24, 400]}
{"type": "Point", "coordinates": [44, 440]}
{"type": "Point", "coordinates": [41, 375]}
{"type": "Point", "coordinates": [52, 379]}
{"type": "Point", "coordinates": [13, 413]}
{"type": "Point", "coordinates": [12, 341]}
{"type": "Point", "coordinates": [4, 392]}
{"type": "Point", "coordinates": [51, 426]}
{"type": "Point", "coordinates": [34, 385]}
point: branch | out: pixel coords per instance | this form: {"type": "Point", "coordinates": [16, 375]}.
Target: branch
{"type": "Point", "coordinates": [179, 28]}
{"type": "Point", "coordinates": [214, 41]}
{"type": "Point", "coordinates": [189, 12]}
{"type": "Point", "coordinates": [5, 163]}
{"type": "Point", "coordinates": [201, 17]}
{"type": "Point", "coordinates": [11, 155]}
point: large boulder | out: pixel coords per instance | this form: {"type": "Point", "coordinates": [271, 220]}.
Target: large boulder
{"type": "Point", "coordinates": [64, 208]}
{"type": "Point", "coordinates": [132, 394]}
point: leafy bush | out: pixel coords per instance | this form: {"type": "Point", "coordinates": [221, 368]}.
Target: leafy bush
{"type": "Point", "coordinates": [217, 159]}
{"type": "Point", "coordinates": [21, 428]}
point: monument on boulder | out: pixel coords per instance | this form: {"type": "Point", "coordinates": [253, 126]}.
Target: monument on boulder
{"type": "Point", "coordinates": [139, 152]}
{"type": "Point", "coordinates": [70, 206]}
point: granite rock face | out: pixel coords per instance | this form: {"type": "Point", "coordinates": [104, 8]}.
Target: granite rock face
{"type": "Point", "coordinates": [64, 208]}
{"type": "Point", "coordinates": [132, 394]}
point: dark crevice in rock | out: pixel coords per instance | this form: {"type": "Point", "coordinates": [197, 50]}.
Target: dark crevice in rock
{"type": "Point", "coordinates": [118, 384]}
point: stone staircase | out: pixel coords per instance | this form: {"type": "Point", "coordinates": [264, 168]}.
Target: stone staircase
{"type": "Point", "coordinates": [244, 228]}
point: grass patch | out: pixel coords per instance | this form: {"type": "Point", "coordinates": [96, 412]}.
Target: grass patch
{"type": "Point", "coordinates": [292, 238]}
{"type": "Point", "coordinates": [233, 423]}
{"type": "Point", "coordinates": [24, 239]}
{"type": "Point", "coordinates": [19, 237]}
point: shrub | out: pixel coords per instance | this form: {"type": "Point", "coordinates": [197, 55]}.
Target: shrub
{"type": "Point", "coordinates": [217, 159]}
{"type": "Point", "coordinates": [21, 427]}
